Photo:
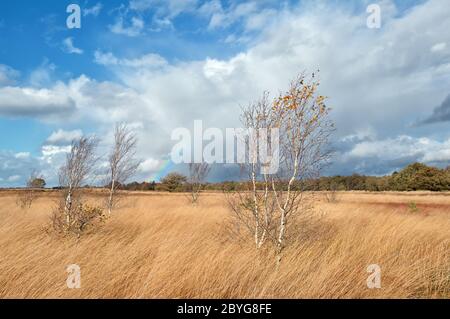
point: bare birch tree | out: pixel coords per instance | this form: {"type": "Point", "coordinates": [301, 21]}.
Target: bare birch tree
{"type": "Point", "coordinates": [253, 205]}
{"type": "Point", "coordinates": [198, 172]}
{"type": "Point", "coordinates": [122, 162]}
{"type": "Point", "coordinates": [78, 167]}
{"type": "Point", "coordinates": [27, 196]}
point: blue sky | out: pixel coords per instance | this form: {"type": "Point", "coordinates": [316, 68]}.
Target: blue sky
{"type": "Point", "coordinates": [162, 64]}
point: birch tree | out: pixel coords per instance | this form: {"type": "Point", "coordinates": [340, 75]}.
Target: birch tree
{"type": "Point", "coordinates": [122, 162]}
{"type": "Point", "coordinates": [274, 202]}
{"type": "Point", "coordinates": [253, 205]}
{"type": "Point", "coordinates": [78, 167]}
{"type": "Point", "coordinates": [198, 172]}
{"type": "Point", "coordinates": [303, 120]}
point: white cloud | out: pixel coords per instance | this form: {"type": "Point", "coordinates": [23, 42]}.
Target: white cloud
{"type": "Point", "coordinates": [132, 30]}
{"type": "Point", "coordinates": [251, 14]}
{"type": "Point", "coordinates": [141, 5]}
{"type": "Point", "coordinates": [8, 75]}
{"type": "Point", "coordinates": [381, 79]}
{"type": "Point", "coordinates": [214, 69]}
{"type": "Point", "coordinates": [43, 75]}
{"type": "Point", "coordinates": [149, 166]}
{"type": "Point", "coordinates": [69, 47]}
{"type": "Point", "coordinates": [62, 137]}
{"type": "Point", "coordinates": [53, 156]}
{"type": "Point", "coordinates": [94, 11]}
{"type": "Point", "coordinates": [423, 149]}
{"type": "Point", "coordinates": [22, 155]}
{"type": "Point", "coordinates": [146, 61]}
{"type": "Point", "coordinates": [438, 47]}
{"type": "Point", "coordinates": [17, 101]}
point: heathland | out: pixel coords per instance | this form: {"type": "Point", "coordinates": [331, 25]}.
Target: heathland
{"type": "Point", "coordinates": [158, 245]}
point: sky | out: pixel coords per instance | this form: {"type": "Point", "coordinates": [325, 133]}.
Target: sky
{"type": "Point", "coordinates": [159, 65]}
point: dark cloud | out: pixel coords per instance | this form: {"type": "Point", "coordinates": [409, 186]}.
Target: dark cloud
{"type": "Point", "coordinates": [374, 166]}
{"type": "Point", "coordinates": [440, 113]}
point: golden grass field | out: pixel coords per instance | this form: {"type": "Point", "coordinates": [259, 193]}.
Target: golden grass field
{"type": "Point", "coordinates": [159, 246]}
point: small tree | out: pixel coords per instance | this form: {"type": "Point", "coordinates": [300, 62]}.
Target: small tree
{"type": "Point", "coordinates": [277, 202]}
{"type": "Point", "coordinates": [197, 176]}
{"type": "Point", "coordinates": [38, 182]}
{"type": "Point", "coordinates": [331, 194]}
{"type": "Point", "coordinates": [122, 162]}
{"type": "Point", "coordinates": [80, 161]}
{"type": "Point", "coordinates": [302, 117]}
{"type": "Point", "coordinates": [253, 202]}
{"type": "Point", "coordinates": [173, 182]}
{"type": "Point", "coordinates": [27, 196]}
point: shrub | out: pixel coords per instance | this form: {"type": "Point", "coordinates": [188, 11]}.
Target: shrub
{"type": "Point", "coordinates": [413, 207]}
{"type": "Point", "coordinates": [83, 217]}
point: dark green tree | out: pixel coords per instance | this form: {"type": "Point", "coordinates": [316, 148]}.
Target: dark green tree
{"type": "Point", "coordinates": [173, 182]}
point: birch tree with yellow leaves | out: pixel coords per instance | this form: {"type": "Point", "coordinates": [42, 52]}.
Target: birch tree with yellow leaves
{"type": "Point", "coordinates": [302, 116]}
{"type": "Point", "coordinates": [276, 204]}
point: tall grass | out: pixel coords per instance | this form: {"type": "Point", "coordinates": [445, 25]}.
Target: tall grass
{"type": "Point", "coordinates": [159, 246]}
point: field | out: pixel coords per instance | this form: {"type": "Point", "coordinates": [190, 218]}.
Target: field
{"type": "Point", "coordinates": [157, 245]}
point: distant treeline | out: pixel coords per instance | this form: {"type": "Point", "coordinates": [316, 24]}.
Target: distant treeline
{"type": "Point", "coordinates": [415, 177]}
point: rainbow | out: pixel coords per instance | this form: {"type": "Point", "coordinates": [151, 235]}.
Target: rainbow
{"type": "Point", "coordinates": [164, 168]}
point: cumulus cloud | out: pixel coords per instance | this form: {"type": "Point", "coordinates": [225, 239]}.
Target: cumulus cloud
{"type": "Point", "coordinates": [62, 137]}
{"type": "Point", "coordinates": [149, 166]}
{"type": "Point", "coordinates": [250, 16]}
{"type": "Point", "coordinates": [16, 101]}
{"type": "Point", "coordinates": [382, 156]}
{"type": "Point", "coordinates": [50, 152]}
{"type": "Point", "coordinates": [379, 79]}
{"type": "Point", "coordinates": [70, 48]}
{"type": "Point", "coordinates": [79, 99]}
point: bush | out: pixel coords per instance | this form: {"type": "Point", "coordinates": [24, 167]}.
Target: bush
{"type": "Point", "coordinates": [25, 198]}
{"type": "Point", "coordinates": [83, 217]}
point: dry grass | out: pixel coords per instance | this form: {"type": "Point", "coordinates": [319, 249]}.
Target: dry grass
{"type": "Point", "coordinates": [159, 246]}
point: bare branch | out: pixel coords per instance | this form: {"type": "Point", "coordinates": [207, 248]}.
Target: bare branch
{"type": "Point", "coordinates": [122, 161]}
